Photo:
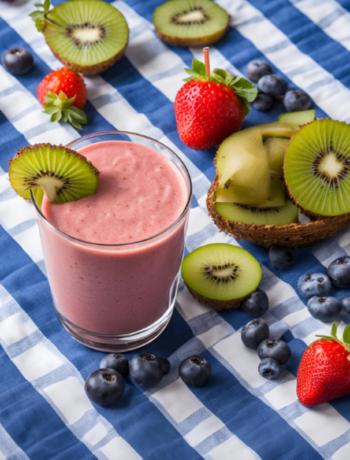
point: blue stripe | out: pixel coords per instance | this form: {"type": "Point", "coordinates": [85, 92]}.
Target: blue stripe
{"type": "Point", "coordinates": [31, 421]}
{"type": "Point", "coordinates": [28, 286]}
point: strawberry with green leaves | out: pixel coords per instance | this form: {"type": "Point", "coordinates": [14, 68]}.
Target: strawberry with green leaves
{"type": "Point", "coordinates": [324, 371]}
{"type": "Point", "coordinates": [210, 108]}
{"type": "Point", "coordinates": [63, 94]}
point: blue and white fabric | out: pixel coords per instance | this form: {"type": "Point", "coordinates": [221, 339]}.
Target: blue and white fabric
{"type": "Point", "coordinates": [44, 412]}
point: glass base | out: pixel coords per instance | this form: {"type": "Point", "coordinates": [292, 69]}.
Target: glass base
{"type": "Point", "coordinates": [117, 343]}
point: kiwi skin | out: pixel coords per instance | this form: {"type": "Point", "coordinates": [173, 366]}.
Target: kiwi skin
{"type": "Point", "coordinates": [21, 151]}
{"type": "Point", "coordinates": [187, 42]}
{"type": "Point", "coordinates": [291, 236]}
{"type": "Point", "coordinates": [89, 69]}
{"type": "Point", "coordinates": [217, 304]}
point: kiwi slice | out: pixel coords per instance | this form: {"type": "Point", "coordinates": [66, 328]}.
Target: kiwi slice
{"type": "Point", "coordinates": [63, 174]}
{"type": "Point", "coordinates": [276, 147]}
{"type": "Point", "coordinates": [190, 22]}
{"type": "Point", "coordinates": [229, 195]}
{"type": "Point", "coordinates": [221, 275]}
{"type": "Point", "coordinates": [317, 168]}
{"type": "Point", "coordinates": [249, 215]}
{"type": "Point", "coordinates": [298, 118]}
{"type": "Point", "coordinates": [89, 36]}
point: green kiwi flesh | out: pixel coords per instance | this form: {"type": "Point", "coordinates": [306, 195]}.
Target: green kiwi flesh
{"type": "Point", "coordinates": [284, 215]}
{"type": "Point", "coordinates": [298, 118]}
{"type": "Point", "coordinates": [88, 36]}
{"type": "Point", "coordinates": [63, 174]}
{"type": "Point", "coordinates": [221, 272]}
{"type": "Point", "coordinates": [317, 168]}
{"type": "Point", "coordinates": [276, 148]}
{"type": "Point", "coordinates": [190, 22]}
{"type": "Point", "coordinates": [277, 196]}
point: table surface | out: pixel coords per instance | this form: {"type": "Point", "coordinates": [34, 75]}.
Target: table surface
{"type": "Point", "coordinates": [44, 413]}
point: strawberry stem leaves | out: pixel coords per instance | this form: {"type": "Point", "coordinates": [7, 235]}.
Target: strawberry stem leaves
{"type": "Point", "coordinates": [61, 109]}
{"type": "Point", "coordinates": [38, 16]}
{"type": "Point", "coordinates": [245, 91]}
{"type": "Point", "coordinates": [333, 336]}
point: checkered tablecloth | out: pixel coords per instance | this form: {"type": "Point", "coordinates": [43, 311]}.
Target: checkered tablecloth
{"type": "Point", "coordinates": [44, 412]}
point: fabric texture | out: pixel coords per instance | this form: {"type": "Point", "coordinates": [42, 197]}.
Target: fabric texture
{"type": "Point", "coordinates": [44, 412]}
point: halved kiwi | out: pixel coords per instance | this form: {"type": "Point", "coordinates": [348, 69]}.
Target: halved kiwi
{"type": "Point", "coordinates": [62, 173]}
{"type": "Point", "coordinates": [221, 275]}
{"type": "Point", "coordinates": [89, 36]}
{"type": "Point", "coordinates": [317, 168]}
{"type": "Point", "coordinates": [190, 22]}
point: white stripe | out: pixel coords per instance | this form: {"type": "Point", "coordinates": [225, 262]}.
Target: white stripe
{"type": "Point", "coordinates": [320, 11]}
{"type": "Point", "coordinates": [330, 94]}
{"type": "Point", "coordinates": [323, 424]}
{"type": "Point", "coordinates": [66, 396]}
{"type": "Point", "coordinates": [342, 453]}
{"type": "Point", "coordinates": [202, 431]}
{"type": "Point", "coordinates": [231, 449]}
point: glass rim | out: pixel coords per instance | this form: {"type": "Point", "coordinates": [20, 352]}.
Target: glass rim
{"type": "Point", "coordinates": [121, 245]}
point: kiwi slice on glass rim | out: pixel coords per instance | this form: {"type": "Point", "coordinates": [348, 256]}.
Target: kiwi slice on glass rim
{"type": "Point", "coordinates": [89, 36]}
{"type": "Point", "coordinates": [221, 275]}
{"type": "Point", "coordinates": [190, 22]}
{"type": "Point", "coordinates": [63, 174]}
{"type": "Point", "coordinates": [317, 168]}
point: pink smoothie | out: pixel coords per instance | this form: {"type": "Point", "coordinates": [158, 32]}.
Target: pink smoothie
{"type": "Point", "coordinates": [113, 290]}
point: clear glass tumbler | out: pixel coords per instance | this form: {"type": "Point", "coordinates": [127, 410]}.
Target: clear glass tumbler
{"type": "Point", "coordinates": [88, 280]}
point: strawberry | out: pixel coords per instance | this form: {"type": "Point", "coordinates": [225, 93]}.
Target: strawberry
{"type": "Point", "coordinates": [324, 371]}
{"type": "Point", "coordinates": [63, 94]}
{"type": "Point", "coordinates": [210, 108]}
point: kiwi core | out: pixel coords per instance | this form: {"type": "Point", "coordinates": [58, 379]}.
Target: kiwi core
{"type": "Point", "coordinates": [195, 16]}
{"type": "Point", "coordinates": [85, 34]}
{"type": "Point", "coordinates": [331, 166]}
{"type": "Point", "coordinates": [221, 273]}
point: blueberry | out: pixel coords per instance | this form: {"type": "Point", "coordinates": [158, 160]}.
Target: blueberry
{"type": "Point", "coordinates": [117, 362]}
{"type": "Point", "coordinates": [345, 309]}
{"type": "Point", "coordinates": [254, 333]}
{"type": "Point", "coordinates": [339, 272]}
{"type": "Point", "coordinates": [281, 258]}
{"type": "Point", "coordinates": [263, 102]}
{"type": "Point", "coordinates": [17, 61]}
{"type": "Point", "coordinates": [146, 370]}
{"type": "Point", "coordinates": [273, 85]}
{"type": "Point", "coordinates": [275, 349]}
{"type": "Point", "coordinates": [195, 371]}
{"type": "Point", "coordinates": [257, 69]}
{"type": "Point", "coordinates": [165, 365]}
{"type": "Point", "coordinates": [269, 368]}
{"type": "Point", "coordinates": [324, 308]}
{"type": "Point", "coordinates": [295, 100]}
{"type": "Point", "coordinates": [104, 386]}
{"type": "Point", "coordinates": [256, 304]}
{"type": "Point", "coordinates": [313, 284]}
